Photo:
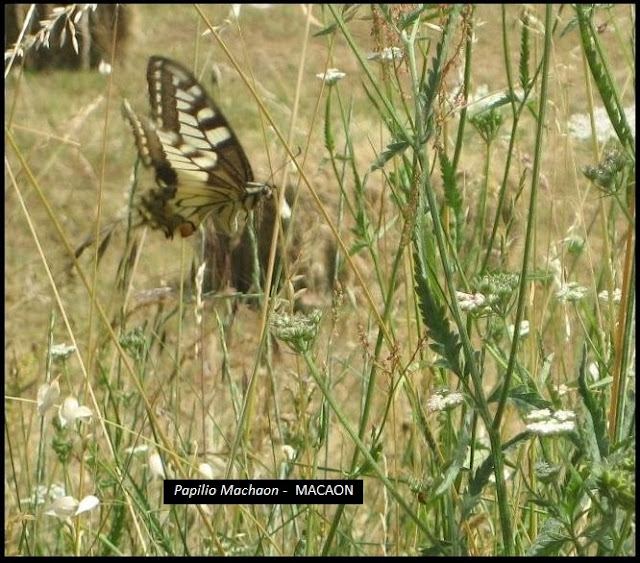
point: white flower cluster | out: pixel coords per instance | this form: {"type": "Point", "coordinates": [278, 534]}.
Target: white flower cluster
{"type": "Point", "coordinates": [544, 422]}
{"type": "Point", "coordinates": [387, 55]}
{"type": "Point", "coordinates": [470, 301]}
{"type": "Point", "coordinates": [444, 401]}
{"type": "Point", "coordinates": [331, 76]}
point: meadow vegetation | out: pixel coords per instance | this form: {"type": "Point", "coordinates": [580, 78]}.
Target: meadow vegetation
{"type": "Point", "coordinates": [463, 219]}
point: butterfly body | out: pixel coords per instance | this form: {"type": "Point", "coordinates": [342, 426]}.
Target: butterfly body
{"type": "Point", "coordinates": [200, 166]}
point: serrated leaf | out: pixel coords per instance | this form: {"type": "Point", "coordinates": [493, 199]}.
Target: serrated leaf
{"type": "Point", "coordinates": [444, 341]}
{"type": "Point", "coordinates": [550, 539]}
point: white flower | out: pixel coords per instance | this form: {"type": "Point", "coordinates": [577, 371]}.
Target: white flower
{"type": "Point", "coordinates": [594, 372]}
{"type": "Point", "coordinates": [289, 452]}
{"type": "Point", "coordinates": [104, 67]}
{"type": "Point", "coordinates": [444, 401]}
{"type": "Point", "coordinates": [580, 124]}
{"type": "Point", "coordinates": [63, 507]}
{"type": "Point", "coordinates": [564, 416]}
{"type": "Point", "coordinates": [524, 329]}
{"type": "Point", "coordinates": [70, 411]}
{"type": "Point", "coordinates": [156, 466]}
{"type": "Point", "coordinates": [616, 297]}
{"type": "Point", "coordinates": [87, 503]}
{"type": "Point", "coordinates": [387, 55]}
{"type": "Point", "coordinates": [545, 423]}
{"type": "Point", "coordinates": [331, 76]}
{"type": "Point", "coordinates": [205, 470]}
{"type": "Point", "coordinates": [48, 394]}
{"type": "Point", "coordinates": [67, 506]}
{"type": "Point", "coordinates": [551, 427]}
{"type": "Point", "coordinates": [470, 302]}
{"type": "Point", "coordinates": [62, 351]}
{"type": "Point", "coordinates": [41, 493]}
{"type": "Point", "coordinates": [539, 414]}
{"type": "Point", "coordinates": [571, 292]}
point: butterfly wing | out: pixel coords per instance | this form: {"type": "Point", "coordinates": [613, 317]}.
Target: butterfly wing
{"type": "Point", "coordinates": [199, 162]}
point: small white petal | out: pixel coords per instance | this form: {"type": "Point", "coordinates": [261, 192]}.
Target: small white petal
{"type": "Point", "coordinates": [104, 67]}
{"type": "Point", "coordinates": [70, 411]}
{"type": "Point", "coordinates": [289, 452]}
{"type": "Point", "coordinates": [594, 372]}
{"type": "Point", "coordinates": [87, 503]}
{"type": "Point", "coordinates": [67, 411]}
{"type": "Point", "coordinates": [205, 470]}
{"type": "Point", "coordinates": [155, 464]}
{"type": "Point", "coordinates": [63, 507]}
{"type": "Point", "coordinates": [524, 329]}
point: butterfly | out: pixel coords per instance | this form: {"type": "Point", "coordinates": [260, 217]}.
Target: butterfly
{"type": "Point", "coordinates": [199, 164]}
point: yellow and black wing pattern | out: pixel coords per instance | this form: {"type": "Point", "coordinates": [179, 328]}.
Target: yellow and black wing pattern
{"type": "Point", "coordinates": [199, 163]}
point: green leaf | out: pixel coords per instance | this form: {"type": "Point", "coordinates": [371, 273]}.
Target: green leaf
{"type": "Point", "coordinates": [596, 424]}
{"type": "Point", "coordinates": [550, 539]}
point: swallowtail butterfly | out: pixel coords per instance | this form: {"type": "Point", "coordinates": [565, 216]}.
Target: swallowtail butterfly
{"type": "Point", "coordinates": [199, 163]}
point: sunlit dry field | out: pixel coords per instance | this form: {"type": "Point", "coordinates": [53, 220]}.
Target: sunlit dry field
{"type": "Point", "coordinates": [439, 197]}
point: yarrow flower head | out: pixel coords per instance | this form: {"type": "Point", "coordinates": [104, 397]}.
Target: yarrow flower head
{"type": "Point", "coordinates": [498, 288]}
{"type": "Point", "coordinates": [543, 422]}
{"type": "Point", "coordinates": [616, 296]}
{"type": "Point", "coordinates": [331, 76]}
{"type": "Point", "coordinates": [580, 125]}
{"type": "Point", "coordinates": [387, 55]}
{"type": "Point", "coordinates": [444, 400]}
{"type": "Point", "coordinates": [571, 292]}
{"type": "Point", "coordinates": [43, 493]}
{"type": "Point", "coordinates": [471, 302]}
{"type": "Point", "coordinates": [62, 351]}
